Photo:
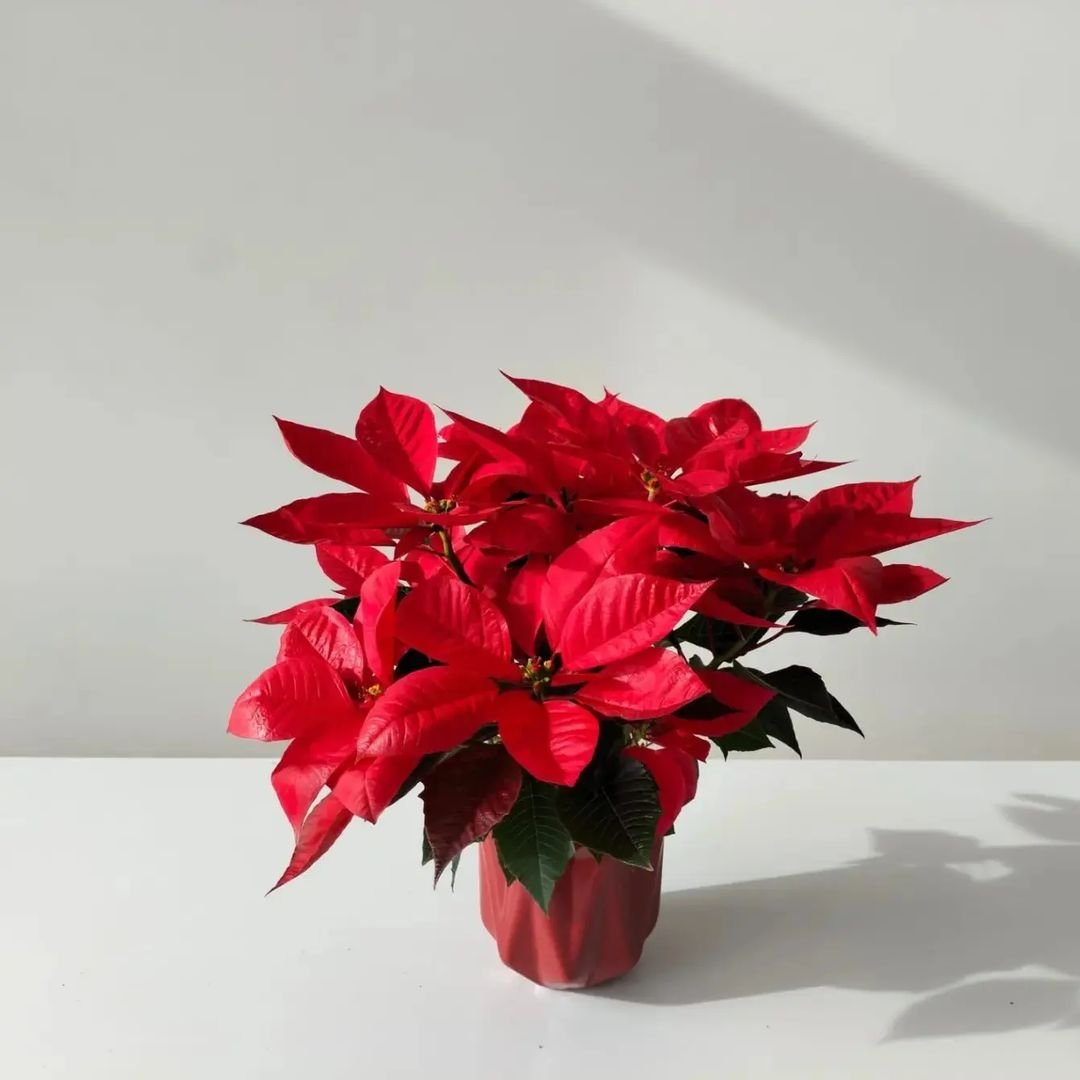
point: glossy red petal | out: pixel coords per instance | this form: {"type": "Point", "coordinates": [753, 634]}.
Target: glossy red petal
{"type": "Point", "coordinates": [307, 765]}
{"type": "Point", "coordinates": [399, 431]}
{"type": "Point", "coordinates": [651, 683]}
{"type": "Point", "coordinates": [882, 497]}
{"type": "Point", "coordinates": [770, 468]}
{"type": "Point", "coordinates": [457, 624]}
{"type": "Point", "coordinates": [371, 784]}
{"type": "Point", "coordinates": [585, 417]}
{"type": "Point", "coordinates": [740, 700]}
{"type": "Point", "coordinates": [622, 615]}
{"type": "Point", "coordinates": [286, 616]}
{"type": "Point", "coordinates": [376, 613]}
{"type": "Point", "coordinates": [428, 711]}
{"type": "Point", "coordinates": [720, 415]}
{"type": "Point", "coordinates": [621, 547]}
{"type": "Point", "coordinates": [698, 482]}
{"type": "Point", "coordinates": [524, 603]}
{"type": "Point", "coordinates": [553, 740]}
{"type": "Point", "coordinates": [902, 581]}
{"type": "Point", "coordinates": [349, 564]}
{"type": "Point", "coordinates": [696, 746]}
{"type": "Point", "coordinates": [675, 775]}
{"type": "Point", "coordinates": [528, 529]}
{"type": "Point", "coordinates": [340, 458]}
{"type": "Point", "coordinates": [851, 585]}
{"type": "Point", "coordinates": [465, 797]}
{"type": "Point", "coordinates": [716, 607]}
{"type": "Point", "coordinates": [329, 635]}
{"type": "Point", "coordinates": [317, 835]}
{"type": "Point", "coordinates": [289, 699]}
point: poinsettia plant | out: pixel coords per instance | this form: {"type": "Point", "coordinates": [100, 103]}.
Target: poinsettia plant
{"type": "Point", "coordinates": [551, 637]}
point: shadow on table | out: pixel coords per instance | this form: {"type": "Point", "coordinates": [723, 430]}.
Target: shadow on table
{"type": "Point", "coordinates": [929, 913]}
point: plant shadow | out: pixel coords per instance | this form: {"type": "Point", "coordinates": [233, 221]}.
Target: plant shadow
{"type": "Point", "coordinates": [929, 913]}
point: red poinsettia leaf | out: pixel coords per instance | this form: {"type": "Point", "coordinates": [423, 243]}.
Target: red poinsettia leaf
{"type": "Point", "coordinates": [698, 482]}
{"type": "Point", "coordinates": [317, 835]}
{"type": "Point", "coordinates": [465, 797]}
{"type": "Point", "coordinates": [427, 711]}
{"type": "Point", "coordinates": [781, 440]}
{"type": "Point", "coordinates": [584, 417]}
{"type": "Point", "coordinates": [307, 765]}
{"type": "Point", "coordinates": [622, 615]}
{"type": "Point", "coordinates": [718, 416]}
{"type": "Point", "coordinates": [528, 529]}
{"type": "Point", "coordinates": [289, 699]}
{"type": "Point", "coordinates": [735, 702]}
{"type": "Point", "coordinates": [622, 547]}
{"type": "Point", "coordinates": [328, 634]}
{"type": "Point", "coordinates": [341, 516]}
{"type": "Point", "coordinates": [370, 785]}
{"type": "Point", "coordinates": [419, 565]}
{"type": "Point", "coordinates": [552, 740]}
{"type": "Point", "coordinates": [378, 598]}
{"type": "Point", "coordinates": [340, 458]}
{"type": "Point", "coordinates": [892, 497]}
{"type": "Point", "coordinates": [349, 564]}
{"type": "Point", "coordinates": [769, 468]}
{"type": "Point", "coordinates": [716, 607]}
{"type": "Point", "coordinates": [871, 534]}
{"type": "Point", "coordinates": [675, 775]}
{"type": "Point", "coordinates": [696, 746]}
{"type": "Point", "coordinates": [632, 415]}
{"type": "Point", "coordinates": [902, 581]}
{"type": "Point", "coordinates": [486, 570]}
{"type": "Point", "coordinates": [649, 684]}
{"type": "Point", "coordinates": [851, 585]}
{"type": "Point", "coordinates": [399, 431]}
{"type": "Point", "coordinates": [286, 616]}
{"type": "Point", "coordinates": [496, 444]}
{"type": "Point", "coordinates": [683, 437]}
{"type": "Point", "coordinates": [457, 624]}
{"type": "Point", "coordinates": [523, 605]}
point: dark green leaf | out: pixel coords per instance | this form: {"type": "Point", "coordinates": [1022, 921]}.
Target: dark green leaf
{"type": "Point", "coordinates": [426, 854]}
{"type": "Point", "coordinates": [748, 738]}
{"type": "Point", "coordinates": [707, 633]}
{"type": "Point", "coordinates": [411, 660]}
{"type": "Point", "coordinates": [775, 720]}
{"type": "Point", "coordinates": [533, 844]}
{"type": "Point", "coordinates": [825, 622]}
{"type": "Point", "coordinates": [347, 607]}
{"type": "Point", "coordinates": [614, 811]}
{"type": "Point", "coordinates": [454, 864]}
{"type": "Point", "coordinates": [804, 691]}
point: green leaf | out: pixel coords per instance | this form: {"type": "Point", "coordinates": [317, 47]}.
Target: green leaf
{"type": "Point", "coordinates": [804, 691]}
{"type": "Point", "coordinates": [775, 720]}
{"type": "Point", "coordinates": [748, 738]}
{"type": "Point", "coordinates": [532, 841]}
{"type": "Point", "coordinates": [454, 864]}
{"type": "Point", "coordinates": [707, 633]}
{"type": "Point", "coordinates": [426, 854]}
{"type": "Point", "coordinates": [825, 622]}
{"type": "Point", "coordinates": [614, 811]}
{"type": "Point", "coordinates": [347, 607]}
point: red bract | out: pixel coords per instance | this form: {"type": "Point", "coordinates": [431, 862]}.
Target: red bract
{"type": "Point", "coordinates": [552, 631]}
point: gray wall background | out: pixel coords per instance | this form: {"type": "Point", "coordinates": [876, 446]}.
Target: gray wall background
{"type": "Point", "coordinates": [854, 211]}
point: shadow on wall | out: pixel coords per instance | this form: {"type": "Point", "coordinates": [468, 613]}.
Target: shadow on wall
{"type": "Point", "coordinates": [590, 120]}
{"type": "Point", "coordinates": [931, 913]}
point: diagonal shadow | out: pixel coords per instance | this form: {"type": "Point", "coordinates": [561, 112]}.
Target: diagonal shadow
{"type": "Point", "coordinates": [591, 122]}
{"type": "Point", "coordinates": [930, 913]}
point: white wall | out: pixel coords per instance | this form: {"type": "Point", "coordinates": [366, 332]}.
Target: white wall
{"type": "Point", "coordinates": [853, 211]}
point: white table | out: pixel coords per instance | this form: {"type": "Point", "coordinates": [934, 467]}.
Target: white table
{"type": "Point", "coordinates": [820, 920]}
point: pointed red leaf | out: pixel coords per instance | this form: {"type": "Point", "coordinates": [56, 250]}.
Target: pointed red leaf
{"type": "Point", "coordinates": [651, 683]}
{"type": "Point", "coordinates": [553, 740]}
{"type": "Point", "coordinates": [465, 797]}
{"type": "Point", "coordinates": [871, 534]}
{"type": "Point", "coordinates": [683, 437]}
{"type": "Point", "coordinates": [340, 458]}
{"type": "Point", "coordinates": [523, 604]}
{"type": "Point", "coordinates": [330, 636]}
{"type": "Point", "coordinates": [719, 415]}
{"type": "Point", "coordinates": [902, 581]}
{"type": "Point", "coordinates": [307, 765]}
{"type": "Point", "coordinates": [769, 468]}
{"type": "Point", "coordinates": [427, 711]}
{"type": "Point", "coordinates": [891, 497]}
{"type": "Point", "coordinates": [675, 775]}
{"type": "Point", "coordinates": [399, 431]}
{"type": "Point", "coordinates": [339, 516]}
{"type": "Point", "coordinates": [371, 784]}
{"type": "Point", "coordinates": [695, 745]}
{"type": "Point", "coordinates": [456, 623]}
{"type": "Point", "coordinates": [317, 835]}
{"type": "Point", "coordinates": [528, 529]}
{"type": "Point", "coordinates": [348, 564]}
{"type": "Point", "coordinates": [289, 699]}
{"type": "Point", "coordinates": [376, 613]}
{"type": "Point", "coordinates": [585, 417]}
{"type": "Point", "coordinates": [622, 547]}
{"type": "Point", "coordinates": [623, 615]}
{"type": "Point", "coordinates": [741, 700]}
{"type": "Point", "coordinates": [286, 616]}
{"type": "Point", "coordinates": [698, 482]}
{"type": "Point", "coordinates": [851, 585]}
{"type": "Point", "coordinates": [716, 607]}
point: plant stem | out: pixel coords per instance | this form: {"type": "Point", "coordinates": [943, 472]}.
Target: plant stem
{"type": "Point", "coordinates": [451, 555]}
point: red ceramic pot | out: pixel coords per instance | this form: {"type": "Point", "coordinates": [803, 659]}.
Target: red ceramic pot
{"type": "Point", "coordinates": [599, 917]}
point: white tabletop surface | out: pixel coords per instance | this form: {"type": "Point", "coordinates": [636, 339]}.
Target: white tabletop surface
{"type": "Point", "coordinates": [820, 919]}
